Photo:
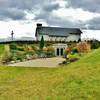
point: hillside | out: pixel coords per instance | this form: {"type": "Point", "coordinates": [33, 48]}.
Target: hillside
{"type": "Point", "coordinates": [77, 81]}
{"type": "Point", "coordinates": [1, 48]}
{"type": "Point", "coordinates": [1, 51]}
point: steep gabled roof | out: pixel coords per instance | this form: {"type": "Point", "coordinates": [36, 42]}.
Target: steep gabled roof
{"type": "Point", "coordinates": [57, 31]}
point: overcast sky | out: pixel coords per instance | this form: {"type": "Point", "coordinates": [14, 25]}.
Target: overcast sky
{"type": "Point", "coordinates": [21, 16]}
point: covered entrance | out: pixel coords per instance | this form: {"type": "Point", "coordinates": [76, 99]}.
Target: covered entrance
{"type": "Point", "coordinates": [59, 49]}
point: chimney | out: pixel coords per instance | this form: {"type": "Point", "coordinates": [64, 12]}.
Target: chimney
{"type": "Point", "coordinates": [39, 25]}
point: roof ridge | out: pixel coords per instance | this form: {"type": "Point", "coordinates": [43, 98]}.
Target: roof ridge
{"type": "Point", "coordinates": [59, 27]}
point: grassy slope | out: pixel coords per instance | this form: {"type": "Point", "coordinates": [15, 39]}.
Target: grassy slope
{"type": "Point", "coordinates": [1, 48]}
{"type": "Point", "coordinates": [1, 51]}
{"type": "Point", "coordinates": [77, 81]}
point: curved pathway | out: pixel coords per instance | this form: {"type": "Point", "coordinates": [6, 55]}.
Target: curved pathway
{"type": "Point", "coordinates": [43, 62]}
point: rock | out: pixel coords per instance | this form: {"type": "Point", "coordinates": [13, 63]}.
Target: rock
{"type": "Point", "coordinates": [23, 60]}
{"type": "Point", "coordinates": [12, 62]}
{"type": "Point", "coordinates": [29, 57]}
{"type": "Point", "coordinates": [17, 61]}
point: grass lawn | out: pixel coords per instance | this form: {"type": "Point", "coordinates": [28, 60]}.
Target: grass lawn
{"type": "Point", "coordinates": [1, 48]}
{"type": "Point", "coordinates": [76, 81]}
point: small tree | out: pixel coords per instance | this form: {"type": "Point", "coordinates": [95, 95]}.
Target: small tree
{"type": "Point", "coordinates": [42, 43]}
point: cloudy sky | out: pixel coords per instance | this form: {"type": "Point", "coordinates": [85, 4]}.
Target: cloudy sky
{"type": "Point", "coordinates": [21, 16]}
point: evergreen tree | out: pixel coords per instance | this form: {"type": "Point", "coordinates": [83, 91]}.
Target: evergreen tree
{"type": "Point", "coordinates": [42, 42]}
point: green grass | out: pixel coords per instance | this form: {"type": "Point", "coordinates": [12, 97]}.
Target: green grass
{"type": "Point", "coordinates": [1, 48]}
{"type": "Point", "coordinates": [76, 81]}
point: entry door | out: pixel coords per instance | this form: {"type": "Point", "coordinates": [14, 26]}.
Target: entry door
{"type": "Point", "coordinates": [57, 51]}
{"type": "Point", "coordinates": [62, 51]}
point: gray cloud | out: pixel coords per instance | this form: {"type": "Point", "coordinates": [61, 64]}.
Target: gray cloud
{"type": "Point", "coordinates": [94, 23]}
{"type": "Point", "coordinates": [19, 4]}
{"type": "Point", "coordinates": [88, 5]}
{"type": "Point", "coordinates": [46, 12]}
{"type": "Point", "coordinates": [9, 11]}
{"type": "Point", "coordinates": [14, 14]}
{"type": "Point", "coordinates": [57, 21]}
{"type": "Point", "coordinates": [50, 7]}
{"type": "Point", "coordinates": [15, 10]}
{"type": "Point", "coordinates": [47, 16]}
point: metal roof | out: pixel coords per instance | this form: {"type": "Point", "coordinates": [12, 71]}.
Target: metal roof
{"type": "Point", "coordinates": [57, 31]}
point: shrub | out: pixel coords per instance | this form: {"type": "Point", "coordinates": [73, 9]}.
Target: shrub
{"type": "Point", "coordinates": [83, 47]}
{"type": "Point", "coordinates": [31, 52]}
{"type": "Point", "coordinates": [95, 45]}
{"type": "Point", "coordinates": [28, 48]}
{"type": "Point", "coordinates": [35, 48]}
{"type": "Point", "coordinates": [67, 51]}
{"type": "Point", "coordinates": [20, 48]}
{"type": "Point", "coordinates": [19, 56]}
{"type": "Point", "coordinates": [74, 50]}
{"type": "Point", "coordinates": [50, 51]}
{"type": "Point", "coordinates": [44, 50]}
{"type": "Point", "coordinates": [6, 57]}
{"type": "Point", "coordinates": [13, 46]}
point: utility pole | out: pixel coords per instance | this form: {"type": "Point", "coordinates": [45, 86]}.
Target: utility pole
{"type": "Point", "coordinates": [12, 35]}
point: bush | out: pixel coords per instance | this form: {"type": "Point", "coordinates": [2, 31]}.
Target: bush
{"type": "Point", "coordinates": [20, 48]}
{"type": "Point", "coordinates": [35, 48]}
{"type": "Point", "coordinates": [13, 46]}
{"type": "Point", "coordinates": [50, 51]}
{"type": "Point", "coordinates": [31, 52]}
{"type": "Point", "coordinates": [95, 45]}
{"type": "Point", "coordinates": [74, 50]}
{"type": "Point", "coordinates": [83, 47]}
{"type": "Point", "coordinates": [6, 57]}
{"type": "Point", "coordinates": [19, 56]}
{"type": "Point", "coordinates": [67, 51]}
{"type": "Point", "coordinates": [28, 48]}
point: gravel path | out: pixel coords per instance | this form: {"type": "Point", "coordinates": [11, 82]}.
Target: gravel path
{"type": "Point", "coordinates": [43, 62]}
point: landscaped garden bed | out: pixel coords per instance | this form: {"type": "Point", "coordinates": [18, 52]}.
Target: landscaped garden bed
{"type": "Point", "coordinates": [24, 52]}
{"type": "Point", "coordinates": [17, 52]}
{"type": "Point", "coordinates": [74, 53]}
